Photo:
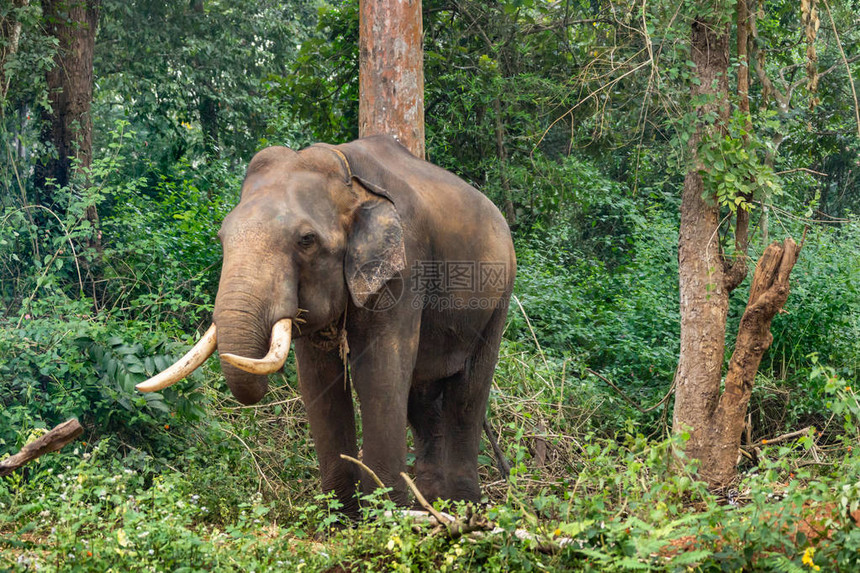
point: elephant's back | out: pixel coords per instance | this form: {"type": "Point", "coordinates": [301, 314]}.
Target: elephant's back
{"type": "Point", "coordinates": [459, 221]}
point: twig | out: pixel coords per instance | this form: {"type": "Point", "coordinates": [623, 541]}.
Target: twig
{"type": "Point", "coordinates": [253, 458]}
{"type": "Point", "coordinates": [782, 438]}
{"type": "Point", "coordinates": [26, 304]}
{"type": "Point", "coordinates": [360, 464]}
{"type": "Point", "coordinates": [455, 527]}
{"type": "Point", "coordinates": [812, 463]}
{"type": "Point", "coordinates": [532, 330]}
{"type": "Point", "coordinates": [629, 400]}
{"type": "Point", "coordinates": [847, 67]}
{"type": "Point", "coordinates": [54, 440]}
{"type": "Point", "coordinates": [268, 405]}
{"type": "Point", "coordinates": [804, 169]}
{"type": "Point", "coordinates": [594, 93]}
{"type": "Point", "coordinates": [417, 515]}
{"type": "Point", "coordinates": [501, 461]}
{"type": "Point", "coordinates": [829, 221]}
{"type": "Point", "coordinates": [423, 501]}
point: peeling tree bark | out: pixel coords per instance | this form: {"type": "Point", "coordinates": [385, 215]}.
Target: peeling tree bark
{"type": "Point", "coordinates": [391, 71]}
{"type": "Point", "coordinates": [716, 434]}
{"type": "Point", "coordinates": [704, 300]}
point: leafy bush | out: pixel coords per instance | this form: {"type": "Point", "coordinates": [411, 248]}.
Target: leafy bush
{"type": "Point", "coordinates": [621, 321]}
{"type": "Point", "coordinates": [64, 353]}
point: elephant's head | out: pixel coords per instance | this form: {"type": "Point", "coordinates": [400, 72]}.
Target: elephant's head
{"type": "Point", "coordinates": [306, 235]}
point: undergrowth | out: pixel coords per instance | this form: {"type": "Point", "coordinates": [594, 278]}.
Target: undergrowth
{"type": "Point", "coordinates": [87, 510]}
{"type": "Point", "coordinates": [243, 496]}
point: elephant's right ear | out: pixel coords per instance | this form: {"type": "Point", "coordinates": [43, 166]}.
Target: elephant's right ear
{"type": "Point", "coordinates": [375, 251]}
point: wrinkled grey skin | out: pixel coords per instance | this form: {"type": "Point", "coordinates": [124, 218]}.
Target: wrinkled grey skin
{"type": "Point", "coordinates": [336, 235]}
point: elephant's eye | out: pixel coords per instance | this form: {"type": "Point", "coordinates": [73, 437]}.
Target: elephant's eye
{"type": "Point", "coordinates": [308, 240]}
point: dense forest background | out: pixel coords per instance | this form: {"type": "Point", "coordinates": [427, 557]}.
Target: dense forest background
{"type": "Point", "coordinates": [574, 118]}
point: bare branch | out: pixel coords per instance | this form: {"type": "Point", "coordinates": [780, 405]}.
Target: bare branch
{"type": "Point", "coordinates": [804, 169]}
{"type": "Point", "coordinates": [782, 438]}
{"type": "Point", "coordinates": [423, 501]}
{"type": "Point", "coordinates": [847, 68]}
{"type": "Point", "coordinates": [361, 464]}
{"type": "Point", "coordinates": [54, 440]}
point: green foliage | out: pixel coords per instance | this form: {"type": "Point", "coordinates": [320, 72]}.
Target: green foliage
{"type": "Point", "coordinates": [323, 86]}
{"type": "Point", "coordinates": [63, 353]}
{"type": "Point", "coordinates": [627, 508]}
{"type": "Point", "coordinates": [24, 70]}
{"type": "Point", "coordinates": [622, 321]}
{"type": "Point", "coordinates": [99, 512]}
{"type": "Point", "coordinates": [194, 76]}
{"type": "Point", "coordinates": [733, 171]}
{"type": "Point", "coordinates": [817, 328]}
{"type": "Point", "coordinates": [823, 309]}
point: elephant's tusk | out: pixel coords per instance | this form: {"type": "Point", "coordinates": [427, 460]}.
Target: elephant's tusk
{"type": "Point", "coordinates": [185, 365]}
{"type": "Point", "coordinates": [277, 355]}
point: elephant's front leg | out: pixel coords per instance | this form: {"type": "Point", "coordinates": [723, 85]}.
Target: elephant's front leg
{"type": "Point", "coordinates": [382, 359]}
{"type": "Point", "coordinates": [328, 401]}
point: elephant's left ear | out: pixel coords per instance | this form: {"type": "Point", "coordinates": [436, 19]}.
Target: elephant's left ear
{"type": "Point", "coordinates": [375, 253]}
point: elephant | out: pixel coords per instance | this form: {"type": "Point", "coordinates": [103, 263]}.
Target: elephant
{"type": "Point", "coordinates": [393, 277]}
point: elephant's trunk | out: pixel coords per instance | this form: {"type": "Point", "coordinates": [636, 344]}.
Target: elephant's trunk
{"type": "Point", "coordinates": [253, 335]}
{"type": "Point", "coordinates": [242, 332]}
{"type": "Point", "coordinates": [274, 359]}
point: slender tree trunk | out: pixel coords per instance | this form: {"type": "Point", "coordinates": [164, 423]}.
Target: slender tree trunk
{"type": "Point", "coordinates": [10, 32]}
{"type": "Point", "coordinates": [391, 71]}
{"type": "Point", "coordinates": [704, 300]}
{"type": "Point", "coordinates": [738, 270]}
{"type": "Point", "coordinates": [68, 126]}
{"type": "Point", "coordinates": [208, 110]}
{"type": "Point", "coordinates": [715, 420]}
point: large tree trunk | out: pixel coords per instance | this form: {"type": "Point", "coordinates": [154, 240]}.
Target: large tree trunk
{"type": "Point", "coordinates": [391, 71]}
{"type": "Point", "coordinates": [713, 420]}
{"type": "Point", "coordinates": [68, 126]}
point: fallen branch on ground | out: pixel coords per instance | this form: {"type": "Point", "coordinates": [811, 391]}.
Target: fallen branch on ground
{"type": "Point", "coordinates": [369, 471]}
{"type": "Point", "coordinates": [54, 440]}
{"type": "Point", "coordinates": [778, 439]}
{"type": "Point", "coordinates": [474, 523]}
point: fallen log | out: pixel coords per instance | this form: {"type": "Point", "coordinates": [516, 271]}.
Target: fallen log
{"type": "Point", "coordinates": [54, 440]}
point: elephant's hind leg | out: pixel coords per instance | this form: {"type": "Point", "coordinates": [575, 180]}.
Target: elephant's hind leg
{"type": "Point", "coordinates": [426, 419]}
{"type": "Point", "coordinates": [464, 407]}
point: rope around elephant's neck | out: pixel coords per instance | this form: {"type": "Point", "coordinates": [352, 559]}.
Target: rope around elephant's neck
{"type": "Point", "coordinates": [344, 349]}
